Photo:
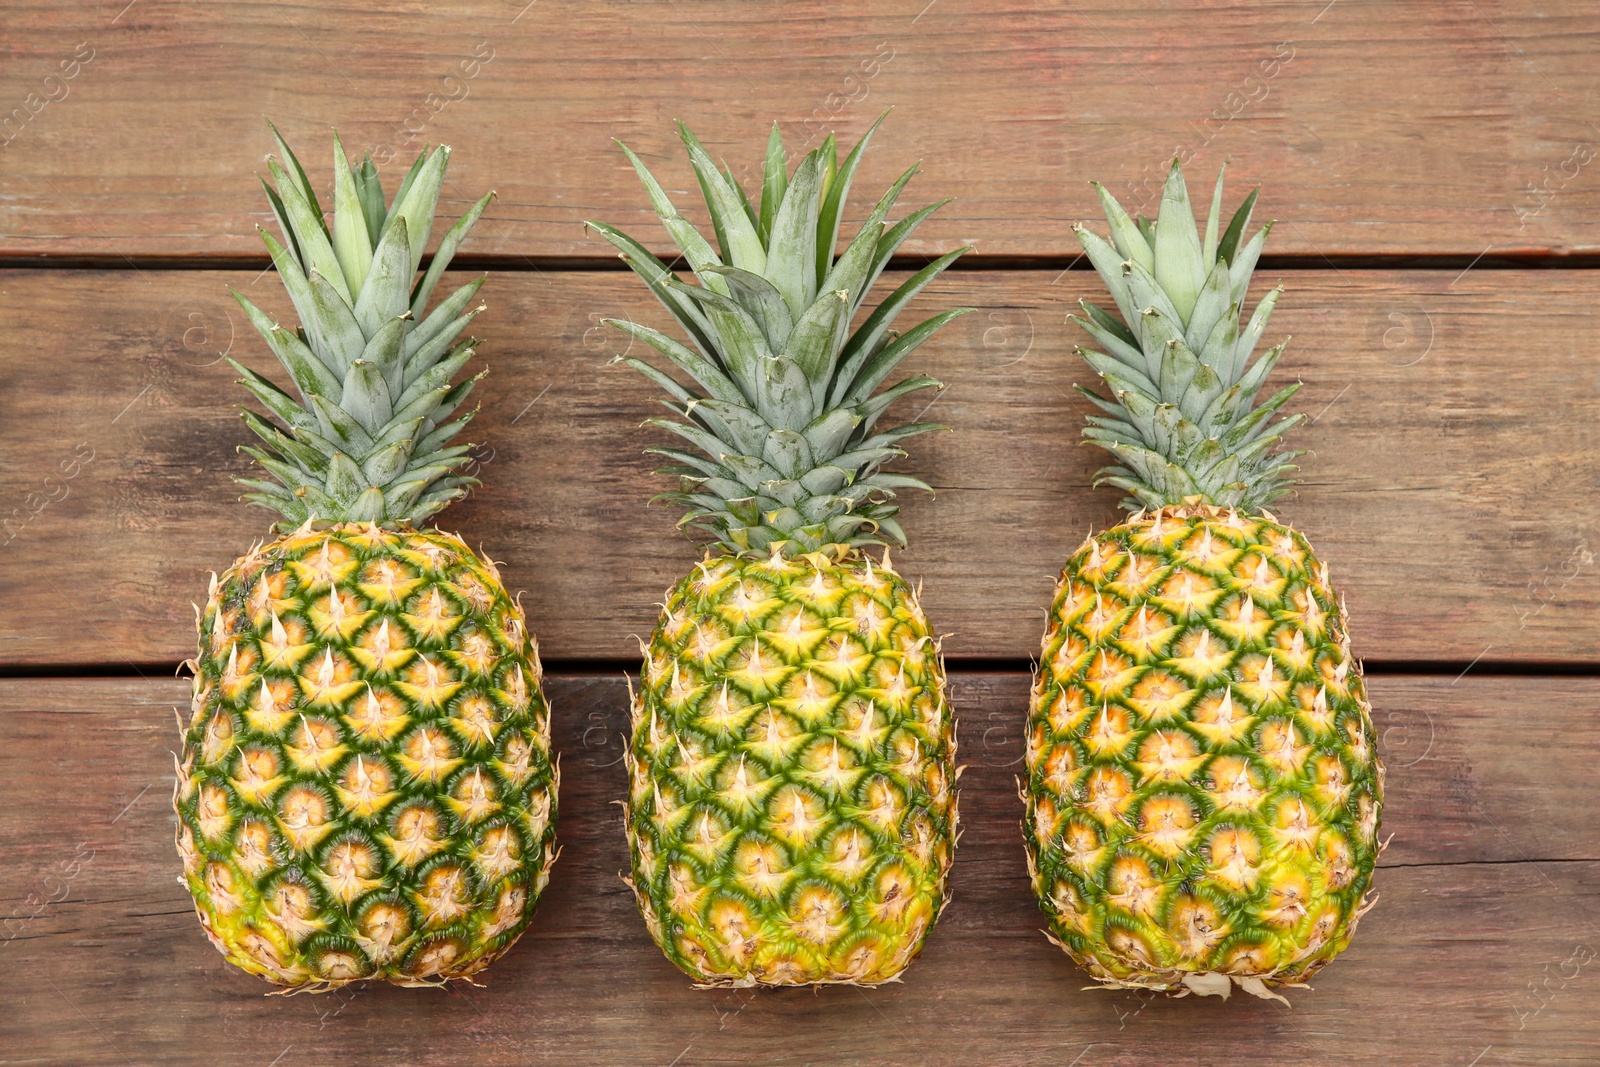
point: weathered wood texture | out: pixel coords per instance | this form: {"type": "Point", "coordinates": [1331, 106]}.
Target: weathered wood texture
{"type": "Point", "coordinates": [1451, 482]}
{"type": "Point", "coordinates": [1376, 128]}
{"type": "Point", "coordinates": [1484, 934]}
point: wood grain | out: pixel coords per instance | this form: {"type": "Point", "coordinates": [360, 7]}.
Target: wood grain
{"type": "Point", "coordinates": [1450, 483]}
{"type": "Point", "coordinates": [1460, 128]}
{"type": "Point", "coordinates": [1454, 467]}
{"type": "Point", "coordinates": [1484, 934]}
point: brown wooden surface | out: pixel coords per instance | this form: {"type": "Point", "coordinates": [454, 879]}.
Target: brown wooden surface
{"type": "Point", "coordinates": [1484, 935]}
{"type": "Point", "coordinates": [1452, 127]}
{"type": "Point", "coordinates": [1452, 488]}
{"type": "Point", "coordinates": [1451, 483]}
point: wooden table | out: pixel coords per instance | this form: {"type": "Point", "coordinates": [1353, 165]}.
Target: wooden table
{"type": "Point", "coordinates": [1433, 170]}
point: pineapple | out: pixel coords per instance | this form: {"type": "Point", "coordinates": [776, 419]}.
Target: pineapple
{"type": "Point", "coordinates": [1202, 783]}
{"type": "Point", "coordinates": [791, 811]}
{"type": "Point", "coordinates": [366, 789]}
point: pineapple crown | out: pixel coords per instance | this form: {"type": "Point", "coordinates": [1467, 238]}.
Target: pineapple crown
{"type": "Point", "coordinates": [1183, 421]}
{"type": "Point", "coordinates": [784, 419]}
{"type": "Point", "coordinates": [368, 439]}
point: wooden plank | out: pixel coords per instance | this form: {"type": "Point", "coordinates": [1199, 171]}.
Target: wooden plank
{"type": "Point", "coordinates": [1484, 935]}
{"type": "Point", "coordinates": [1459, 129]}
{"type": "Point", "coordinates": [1444, 484]}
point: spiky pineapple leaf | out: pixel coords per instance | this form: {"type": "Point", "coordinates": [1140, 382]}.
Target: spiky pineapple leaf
{"type": "Point", "coordinates": [785, 423]}
{"type": "Point", "coordinates": [1183, 420]}
{"type": "Point", "coordinates": [368, 438]}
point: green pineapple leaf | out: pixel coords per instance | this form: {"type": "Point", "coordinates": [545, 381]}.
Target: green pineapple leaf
{"type": "Point", "coordinates": [785, 423]}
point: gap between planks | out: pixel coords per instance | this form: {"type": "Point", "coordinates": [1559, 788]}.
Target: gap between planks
{"type": "Point", "coordinates": [973, 262]}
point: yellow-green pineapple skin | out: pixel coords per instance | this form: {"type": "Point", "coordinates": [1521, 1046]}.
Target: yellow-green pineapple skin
{"type": "Point", "coordinates": [1202, 785]}
{"type": "Point", "coordinates": [792, 813]}
{"type": "Point", "coordinates": [365, 789]}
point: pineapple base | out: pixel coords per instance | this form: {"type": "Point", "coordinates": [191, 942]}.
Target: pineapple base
{"type": "Point", "coordinates": [1203, 788]}
{"type": "Point", "coordinates": [365, 790]}
{"type": "Point", "coordinates": [791, 812]}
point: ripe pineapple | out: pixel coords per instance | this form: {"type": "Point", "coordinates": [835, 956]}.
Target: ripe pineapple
{"type": "Point", "coordinates": [791, 811]}
{"type": "Point", "coordinates": [366, 788]}
{"type": "Point", "coordinates": [1203, 789]}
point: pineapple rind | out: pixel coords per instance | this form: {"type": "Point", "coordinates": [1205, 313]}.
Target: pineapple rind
{"type": "Point", "coordinates": [366, 789]}
{"type": "Point", "coordinates": [792, 808]}
{"type": "Point", "coordinates": [1203, 785]}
